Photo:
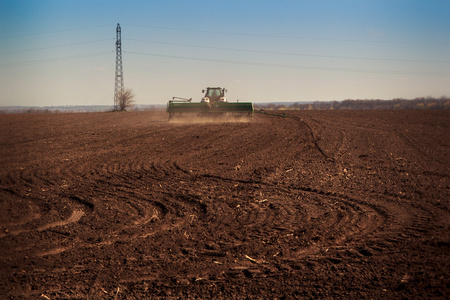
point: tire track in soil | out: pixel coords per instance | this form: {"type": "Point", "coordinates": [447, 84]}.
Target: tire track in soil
{"type": "Point", "coordinates": [170, 171]}
{"type": "Point", "coordinates": [40, 178]}
{"type": "Point", "coordinates": [405, 216]}
{"type": "Point", "coordinates": [315, 140]}
{"type": "Point", "coordinates": [246, 217]}
{"type": "Point", "coordinates": [163, 217]}
{"type": "Point", "coordinates": [266, 222]}
{"type": "Point", "coordinates": [210, 224]}
{"type": "Point", "coordinates": [384, 129]}
{"type": "Point", "coordinates": [74, 217]}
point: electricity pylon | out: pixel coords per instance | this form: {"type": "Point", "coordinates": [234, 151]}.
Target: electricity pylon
{"type": "Point", "coordinates": [118, 87]}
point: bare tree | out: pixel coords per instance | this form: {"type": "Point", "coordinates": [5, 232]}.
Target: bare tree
{"type": "Point", "coordinates": [126, 99]}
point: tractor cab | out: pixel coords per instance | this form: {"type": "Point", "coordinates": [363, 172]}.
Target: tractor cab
{"type": "Point", "coordinates": [214, 95]}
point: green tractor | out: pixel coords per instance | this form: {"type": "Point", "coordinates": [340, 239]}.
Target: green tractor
{"type": "Point", "coordinates": [212, 104]}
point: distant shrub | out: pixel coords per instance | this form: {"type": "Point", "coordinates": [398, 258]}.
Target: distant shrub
{"type": "Point", "coordinates": [126, 100]}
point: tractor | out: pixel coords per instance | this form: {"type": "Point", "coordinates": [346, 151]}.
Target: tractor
{"type": "Point", "coordinates": [213, 103]}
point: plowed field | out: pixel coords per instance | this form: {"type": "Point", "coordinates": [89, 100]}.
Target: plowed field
{"type": "Point", "coordinates": [331, 204]}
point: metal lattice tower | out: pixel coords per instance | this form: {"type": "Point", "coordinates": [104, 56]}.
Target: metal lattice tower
{"type": "Point", "coordinates": [118, 87]}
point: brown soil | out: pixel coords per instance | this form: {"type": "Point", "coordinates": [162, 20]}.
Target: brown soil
{"type": "Point", "coordinates": [332, 204]}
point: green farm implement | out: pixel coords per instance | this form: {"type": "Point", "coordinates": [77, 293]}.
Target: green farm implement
{"type": "Point", "coordinates": [213, 103]}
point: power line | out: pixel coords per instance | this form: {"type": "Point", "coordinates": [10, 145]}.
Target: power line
{"type": "Point", "coordinates": [287, 53]}
{"type": "Point", "coordinates": [56, 46]}
{"type": "Point", "coordinates": [53, 31]}
{"type": "Point", "coordinates": [49, 60]}
{"type": "Point", "coordinates": [292, 66]}
{"type": "Point", "coordinates": [288, 37]}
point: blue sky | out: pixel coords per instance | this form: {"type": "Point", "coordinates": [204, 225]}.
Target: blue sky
{"type": "Point", "coordinates": [62, 52]}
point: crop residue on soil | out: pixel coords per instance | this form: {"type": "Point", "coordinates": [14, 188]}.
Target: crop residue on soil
{"type": "Point", "coordinates": [328, 204]}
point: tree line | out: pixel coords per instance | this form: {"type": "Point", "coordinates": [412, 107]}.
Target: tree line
{"type": "Point", "coordinates": [420, 103]}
